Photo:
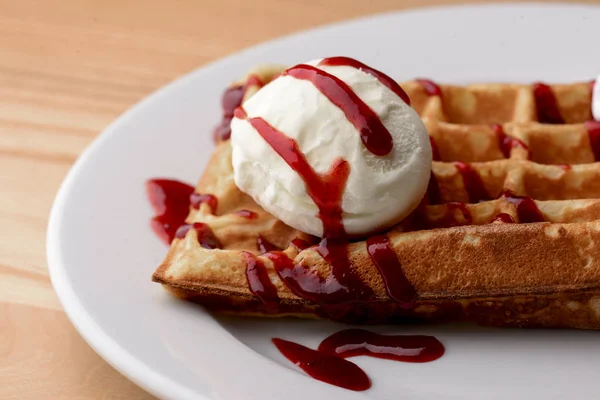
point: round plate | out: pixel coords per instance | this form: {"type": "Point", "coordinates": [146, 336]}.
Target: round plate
{"type": "Point", "coordinates": [101, 251]}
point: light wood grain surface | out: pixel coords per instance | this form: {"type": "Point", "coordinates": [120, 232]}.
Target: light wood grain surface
{"type": "Point", "coordinates": [67, 69]}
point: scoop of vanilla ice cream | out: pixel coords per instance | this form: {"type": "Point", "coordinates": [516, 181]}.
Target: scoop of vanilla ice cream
{"type": "Point", "coordinates": [596, 100]}
{"type": "Point", "coordinates": [380, 191]}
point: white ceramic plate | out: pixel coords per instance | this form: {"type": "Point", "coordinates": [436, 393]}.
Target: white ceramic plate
{"type": "Point", "coordinates": [101, 251]}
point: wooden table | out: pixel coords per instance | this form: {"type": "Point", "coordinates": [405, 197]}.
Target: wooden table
{"type": "Point", "coordinates": [67, 69]}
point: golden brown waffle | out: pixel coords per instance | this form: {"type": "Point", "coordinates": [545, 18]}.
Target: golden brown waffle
{"type": "Point", "coordinates": [458, 251]}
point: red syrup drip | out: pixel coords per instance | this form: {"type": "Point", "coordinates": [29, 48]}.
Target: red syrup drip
{"type": "Point", "coordinates": [527, 209]}
{"type": "Point", "coordinates": [405, 348]}
{"type": "Point", "coordinates": [325, 190]}
{"type": "Point", "coordinates": [196, 199]}
{"type": "Point", "coordinates": [504, 218]}
{"type": "Point", "coordinates": [546, 105]}
{"type": "Point", "coordinates": [383, 78]}
{"type": "Point", "coordinates": [473, 183]}
{"type": "Point", "coordinates": [328, 363]}
{"type": "Point", "coordinates": [232, 98]}
{"type": "Point", "coordinates": [593, 129]}
{"type": "Point", "coordinates": [246, 214]}
{"type": "Point", "coordinates": [374, 135]}
{"type": "Point", "coordinates": [435, 153]}
{"type": "Point", "coordinates": [335, 292]}
{"type": "Point", "coordinates": [259, 281]}
{"type": "Point", "coordinates": [324, 367]}
{"type": "Point", "coordinates": [264, 246]}
{"type": "Point", "coordinates": [206, 237]}
{"type": "Point", "coordinates": [342, 285]}
{"type": "Point", "coordinates": [397, 286]}
{"type": "Point", "coordinates": [300, 244]}
{"type": "Point", "coordinates": [430, 87]}
{"type": "Point", "coordinates": [506, 142]}
{"type": "Point", "coordinates": [170, 200]}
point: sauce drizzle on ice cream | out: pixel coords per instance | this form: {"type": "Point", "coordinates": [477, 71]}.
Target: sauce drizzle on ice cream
{"type": "Point", "coordinates": [374, 135]}
{"type": "Point", "coordinates": [383, 78]}
{"type": "Point", "coordinates": [342, 285]}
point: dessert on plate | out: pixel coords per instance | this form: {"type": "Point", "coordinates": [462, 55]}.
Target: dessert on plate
{"type": "Point", "coordinates": [335, 192]}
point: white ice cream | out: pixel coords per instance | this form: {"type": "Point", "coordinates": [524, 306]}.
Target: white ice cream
{"type": "Point", "coordinates": [380, 191]}
{"type": "Point", "coordinates": [596, 100]}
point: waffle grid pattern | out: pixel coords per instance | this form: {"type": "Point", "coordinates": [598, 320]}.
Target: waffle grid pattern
{"type": "Point", "coordinates": [488, 141]}
{"type": "Point", "coordinates": [490, 148]}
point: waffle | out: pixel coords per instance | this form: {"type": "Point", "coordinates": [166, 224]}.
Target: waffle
{"type": "Point", "coordinates": [506, 235]}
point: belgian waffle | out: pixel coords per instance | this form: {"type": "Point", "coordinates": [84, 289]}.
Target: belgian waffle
{"type": "Point", "coordinates": [506, 235]}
